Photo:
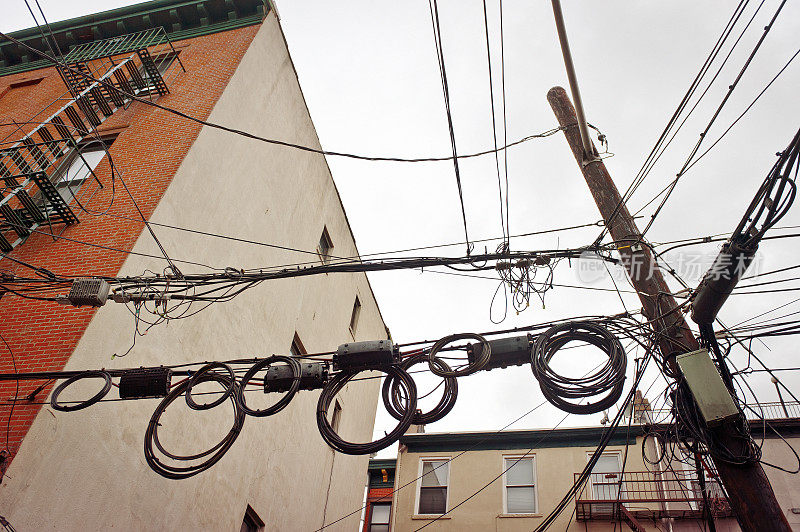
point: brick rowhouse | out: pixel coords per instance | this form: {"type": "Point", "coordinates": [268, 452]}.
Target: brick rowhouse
{"type": "Point", "coordinates": [149, 146]}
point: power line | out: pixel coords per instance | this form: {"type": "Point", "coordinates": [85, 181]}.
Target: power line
{"type": "Point", "coordinates": [505, 120]}
{"type": "Point", "coordinates": [253, 136]}
{"type": "Point", "coordinates": [494, 123]}
{"type": "Point", "coordinates": [730, 90]}
{"type": "Point", "coordinates": [437, 36]}
{"type": "Point", "coordinates": [654, 154]}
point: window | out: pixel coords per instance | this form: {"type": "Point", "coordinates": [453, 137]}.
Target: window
{"type": "Point", "coordinates": [606, 481]}
{"type": "Point", "coordinates": [325, 246]}
{"type": "Point", "coordinates": [354, 316]}
{"type": "Point", "coordinates": [297, 349]}
{"type": "Point", "coordinates": [379, 517]}
{"type": "Point", "coordinates": [432, 497]}
{"type": "Point", "coordinates": [78, 169]}
{"type": "Point", "coordinates": [336, 418]}
{"type": "Point", "coordinates": [519, 483]}
{"type": "Point", "coordinates": [251, 521]}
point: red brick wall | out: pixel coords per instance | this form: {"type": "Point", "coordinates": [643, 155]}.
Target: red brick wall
{"type": "Point", "coordinates": [148, 150]}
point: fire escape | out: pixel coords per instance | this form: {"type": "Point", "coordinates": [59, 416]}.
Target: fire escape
{"type": "Point", "coordinates": [637, 496]}
{"type": "Point", "coordinates": [31, 167]}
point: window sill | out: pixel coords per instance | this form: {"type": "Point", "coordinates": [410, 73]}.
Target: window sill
{"type": "Point", "coordinates": [504, 516]}
{"type": "Point", "coordinates": [430, 516]}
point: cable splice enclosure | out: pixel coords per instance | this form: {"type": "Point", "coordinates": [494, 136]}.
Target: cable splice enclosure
{"type": "Point", "coordinates": [720, 280]}
{"type": "Point", "coordinates": [504, 352]}
{"type": "Point", "coordinates": [279, 378]}
{"type": "Point", "coordinates": [359, 355]}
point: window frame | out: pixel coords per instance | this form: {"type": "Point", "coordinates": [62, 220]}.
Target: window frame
{"type": "Point", "coordinates": [422, 460]}
{"type": "Point", "coordinates": [57, 177]}
{"type": "Point", "coordinates": [591, 484]}
{"type": "Point", "coordinates": [325, 254]}
{"type": "Point", "coordinates": [251, 514]}
{"type": "Point", "coordinates": [355, 315]}
{"type": "Point", "coordinates": [532, 458]}
{"type": "Point", "coordinates": [336, 416]}
{"type": "Point", "coordinates": [369, 518]}
{"type": "Point", "coordinates": [297, 346]}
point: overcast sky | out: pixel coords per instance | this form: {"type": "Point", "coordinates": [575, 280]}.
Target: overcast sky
{"type": "Point", "coordinates": [369, 74]}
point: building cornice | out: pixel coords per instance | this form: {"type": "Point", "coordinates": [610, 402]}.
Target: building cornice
{"type": "Point", "coordinates": [181, 19]}
{"type": "Point", "coordinates": [382, 463]}
{"type": "Point", "coordinates": [518, 439]}
{"type": "Point", "coordinates": [564, 437]}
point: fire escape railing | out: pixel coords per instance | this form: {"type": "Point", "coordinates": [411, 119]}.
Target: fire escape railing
{"type": "Point", "coordinates": [31, 167]}
{"type": "Point", "coordinates": [648, 494]}
{"type": "Point", "coordinates": [754, 411]}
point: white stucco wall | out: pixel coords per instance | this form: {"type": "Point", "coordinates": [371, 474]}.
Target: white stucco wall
{"type": "Point", "coordinates": [86, 471]}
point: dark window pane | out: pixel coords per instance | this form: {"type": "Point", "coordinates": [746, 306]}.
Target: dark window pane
{"type": "Point", "coordinates": [432, 500]}
{"type": "Point", "coordinates": [379, 528]}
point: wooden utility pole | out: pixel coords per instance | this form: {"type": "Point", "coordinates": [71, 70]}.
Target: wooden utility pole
{"type": "Point", "coordinates": [749, 491]}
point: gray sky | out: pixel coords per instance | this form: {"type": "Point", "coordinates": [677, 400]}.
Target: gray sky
{"type": "Point", "coordinates": [369, 74]}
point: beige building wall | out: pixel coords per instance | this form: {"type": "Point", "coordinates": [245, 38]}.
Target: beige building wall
{"type": "Point", "coordinates": [86, 471]}
{"type": "Point", "coordinates": [471, 470]}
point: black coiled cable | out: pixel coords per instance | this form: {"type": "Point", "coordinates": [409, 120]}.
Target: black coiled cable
{"type": "Point", "coordinates": [606, 382]}
{"type": "Point", "coordinates": [339, 381]}
{"type": "Point", "coordinates": [284, 401]}
{"type": "Point", "coordinates": [198, 377]}
{"type": "Point", "coordinates": [395, 402]}
{"type": "Point", "coordinates": [84, 404]}
{"type": "Point", "coordinates": [212, 455]}
{"type": "Point", "coordinates": [482, 357]}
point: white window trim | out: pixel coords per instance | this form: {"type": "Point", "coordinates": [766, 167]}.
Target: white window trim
{"type": "Point", "coordinates": [422, 459]}
{"type": "Point", "coordinates": [531, 456]}
{"type": "Point", "coordinates": [616, 453]}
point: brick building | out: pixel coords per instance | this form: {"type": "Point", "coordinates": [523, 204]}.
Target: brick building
{"type": "Point", "coordinates": [380, 487]}
{"type": "Point", "coordinates": [64, 210]}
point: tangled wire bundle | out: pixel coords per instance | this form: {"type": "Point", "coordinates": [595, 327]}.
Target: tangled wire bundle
{"type": "Point", "coordinates": [561, 391]}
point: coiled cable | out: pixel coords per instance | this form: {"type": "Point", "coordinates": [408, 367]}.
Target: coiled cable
{"type": "Point", "coordinates": [394, 401]}
{"type": "Point", "coordinates": [199, 376]}
{"type": "Point", "coordinates": [212, 455]}
{"type": "Point", "coordinates": [480, 361]}
{"type": "Point", "coordinates": [84, 404]}
{"type": "Point", "coordinates": [560, 391]}
{"type": "Point", "coordinates": [338, 382]}
{"type": "Point", "coordinates": [284, 401]}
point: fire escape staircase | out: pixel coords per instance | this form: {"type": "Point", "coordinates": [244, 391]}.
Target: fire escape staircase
{"type": "Point", "coordinates": [31, 167]}
{"type": "Point", "coordinates": [629, 519]}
